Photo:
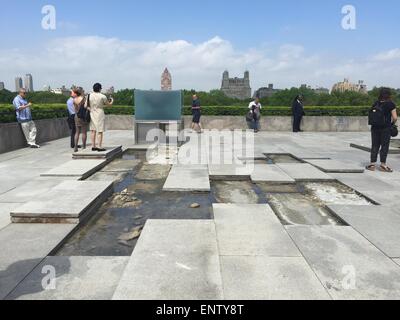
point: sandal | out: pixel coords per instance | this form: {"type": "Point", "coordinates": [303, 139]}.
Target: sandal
{"type": "Point", "coordinates": [371, 167]}
{"type": "Point", "coordinates": [386, 169]}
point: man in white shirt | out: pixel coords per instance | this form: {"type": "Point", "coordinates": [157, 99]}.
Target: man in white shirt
{"type": "Point", "coordinates": [255, 110]}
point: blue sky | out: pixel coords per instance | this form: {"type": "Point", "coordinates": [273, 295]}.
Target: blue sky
{"type": "Point", "coordinates": [311, 30]}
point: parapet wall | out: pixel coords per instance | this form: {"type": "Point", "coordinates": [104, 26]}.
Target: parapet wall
{"type": "Point", "coordinates": [11, 136]}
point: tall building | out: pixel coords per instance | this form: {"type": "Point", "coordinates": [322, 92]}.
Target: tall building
{"type": "Point", "coordinates": [266, 92]}
{"type": "Point", "coordinates": [28, 83]}
{"type": "Point", "coordinates": [18, 84]}
{"type": "Point", "coordinates": [346, 85]}
{"type": "Point", "coordinates": [166, 80]}
{"type": "Point", "coordinates": [238, 88]}
{"type": "Point", "coordinates": [1, 85]}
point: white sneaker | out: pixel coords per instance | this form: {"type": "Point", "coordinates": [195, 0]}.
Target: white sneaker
{"type": "Point", "coordinates": [34, 146]}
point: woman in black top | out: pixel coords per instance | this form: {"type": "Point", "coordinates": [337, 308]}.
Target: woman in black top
{"type": "Point", "coordinates": [196, 112]}
{"type": "Point", "coordinates": [381, 134]}
{"type": "Point", "coordinates": [298, 113]}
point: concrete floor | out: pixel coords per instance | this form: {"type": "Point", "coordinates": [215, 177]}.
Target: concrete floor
{"type": "Point", "coordinates": [244, 252]}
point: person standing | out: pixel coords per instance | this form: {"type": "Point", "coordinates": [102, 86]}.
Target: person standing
{"type": "Point", "coordinates": [97, 103]}
{"type": "Point", "coordinates": [298, 112]}
{"type": "Point", "coordinates": [382, 116]}
{"type": "Point", "coordinates": [71, 119]}
{"type": "Point", "coordinates": [196, 112]}
{"type": "Point", "coordinates": [81, 126]}
{"type": "Point", "coordinates": [24, 118]}
{"type": "Point", "coordinates": [255, 114]}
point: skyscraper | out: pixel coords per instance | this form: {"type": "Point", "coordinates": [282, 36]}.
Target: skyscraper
{"type": "Point", "coordinates": [1, 86]}
{"type": "Point", "coordinates": [18, 84]}
{"type": "Point", "coordinates": [28, 83]}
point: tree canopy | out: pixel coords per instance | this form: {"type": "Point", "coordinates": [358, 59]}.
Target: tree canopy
{"type": "Point", "coordinates": [218, 98]}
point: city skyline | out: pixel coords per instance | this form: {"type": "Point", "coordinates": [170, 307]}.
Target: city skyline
{"type": "Point", "coordinates": [289, 45]}
{"type": "Point", "coordinates": [360, 85]}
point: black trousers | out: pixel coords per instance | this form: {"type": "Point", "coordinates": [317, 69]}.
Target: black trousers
{"type": "Point", "coordinates": [72, 127]}
{"type": "Point", "coordinates": [380, 144]}
{"type": "Point", "coordinates": [296, 122]}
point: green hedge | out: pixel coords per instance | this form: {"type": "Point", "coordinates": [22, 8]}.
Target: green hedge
{"type": "Point", "coordinates": [7, 113]}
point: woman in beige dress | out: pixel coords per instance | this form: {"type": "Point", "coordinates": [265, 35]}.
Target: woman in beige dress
{"type": "Point", "coordinates": [97, 103]}
{"type": "Point", "coordinates": [81, 125]}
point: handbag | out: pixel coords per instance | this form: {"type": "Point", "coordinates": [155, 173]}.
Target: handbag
{"type": "Point", "coordinates": [84, 113]}
{"type": "Point", "coordinates": [394, 131]}
{"type": "Point", "coordinates": [249, 116]}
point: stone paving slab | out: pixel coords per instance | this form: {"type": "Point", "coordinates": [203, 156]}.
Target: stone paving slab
{"type": "Point", "coordinates": [249, 230]}
{"type": "Point", "coordinates": [77, 278]}
{"type": "Point", "coordinates": [29, 191]}
{"type": "Point", "coordinates": [188, 178]}
{"type": "Point", "coordinates": [367, 148]}
{"type": "Point", "coordinates": [387, 198]}
{"type": "Point", "coordinates": [89, 154]}
{"type": "Point", "coordinates": [173, 260]}
{"type": "Point", "coordinates": [270, 173]}
{"type": "Point", "coordinates": [331, 166]}
{"type": "Point", "coordinates": [270, 278]}
{"type": "Point", "coordinates": [392, 178]}
{"type": "Point", "coordinates": [304, 172]}
{"type": "Point", "coordinates": [230, 172]}
{"type": "Point", "coordinates": [81, 169]}
{"type": "Point", "coordinates": [23, 247]}
{"type": "Point", "coordinates": [68, 202]}
{"type": "Point", "coordinates": [8, 185]}
{"type": "Point", "coordinates": [301, 152]}
{"type": "Point", "coordinates": [5, 209]}
{"type": "Point", "coordinates": [380, 225]}
{"type": "Point", "coordinates": [363, 182]}
{"type": "Point", "coordinates": [339, 255]}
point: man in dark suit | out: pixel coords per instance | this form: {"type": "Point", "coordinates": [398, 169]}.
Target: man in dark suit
{"type": "Point", "coordinates": [298, 113]}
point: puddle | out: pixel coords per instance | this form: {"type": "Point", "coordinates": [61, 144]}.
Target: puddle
{"type": "Point", "coordinates": [335, 193]}
{"type": "Point", "coordinates": [134, 155]}
{"type": "Point", "coordinates": [306, 204]}
{"type": "Point", "coordinates": [281, 158]}
{"type": "Point", "coordinates": [279, 188]}
{"type": "Point", "coordinates": [153, 172]}
{"type": "Point", "coordinates": [115, 229]}
{"type": "Point", "coordinates": [237, 192]}
{"type": "Point", "coordinates": [298, 209]}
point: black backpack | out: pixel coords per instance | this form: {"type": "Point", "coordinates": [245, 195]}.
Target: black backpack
{"type": "Point", "coordinates": [84, 113]}
{"type": "Point", "coordinates": [376, 116]}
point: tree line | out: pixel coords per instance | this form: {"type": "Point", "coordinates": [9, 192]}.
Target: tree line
{"type": "Point", "coordinates": [218, 98]}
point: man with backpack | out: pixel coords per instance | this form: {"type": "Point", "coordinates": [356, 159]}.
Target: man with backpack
{"type": "Point", "coordinates": [382, 117]}
{"type": "Point", "coordinates": [254, 115]}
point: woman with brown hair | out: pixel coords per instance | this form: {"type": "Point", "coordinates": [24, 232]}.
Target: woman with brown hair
{"type": "Point", "coordinates": [81, 125]}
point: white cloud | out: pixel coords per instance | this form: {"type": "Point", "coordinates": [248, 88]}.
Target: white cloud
{"type": "Point", "coordinates": [135, 64]}
{"type": "Point", "coordinates": [393, 54]}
